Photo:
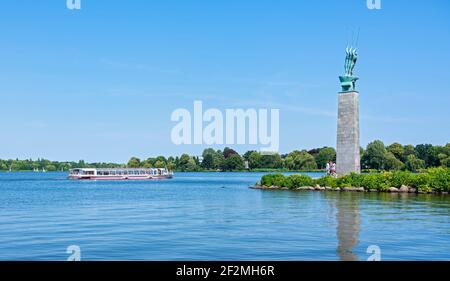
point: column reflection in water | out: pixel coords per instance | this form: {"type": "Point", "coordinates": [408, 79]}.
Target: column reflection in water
{"type": "Point", "coordinates": [348, 224]}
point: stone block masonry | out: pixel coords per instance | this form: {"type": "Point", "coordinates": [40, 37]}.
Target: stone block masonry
{"type": "Point", "coordinates": [348, 157]}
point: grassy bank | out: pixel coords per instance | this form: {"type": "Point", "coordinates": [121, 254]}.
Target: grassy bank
{"type": "Point", "coordinates": [436, 180]}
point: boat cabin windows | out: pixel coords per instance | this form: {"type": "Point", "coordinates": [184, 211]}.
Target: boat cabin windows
{"type": "Point", "coordinates": [119, 172]}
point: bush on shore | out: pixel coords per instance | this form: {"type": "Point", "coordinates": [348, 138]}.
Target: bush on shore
{"type": "Point", "coordinates": [431, 180]}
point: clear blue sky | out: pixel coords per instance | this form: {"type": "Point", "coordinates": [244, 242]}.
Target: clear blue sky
{"type": "Point", "coordinates": [101, 83]}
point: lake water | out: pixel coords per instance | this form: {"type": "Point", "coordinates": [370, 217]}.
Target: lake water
{"type": "Point", "coordinates": [212, 216]}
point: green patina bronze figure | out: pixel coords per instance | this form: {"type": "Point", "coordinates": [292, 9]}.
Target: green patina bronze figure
{"type": "Point", "coordinates": [348, 81]}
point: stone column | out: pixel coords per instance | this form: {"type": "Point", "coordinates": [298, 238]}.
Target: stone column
{"type": "Point", "coordinates": [348, 158]}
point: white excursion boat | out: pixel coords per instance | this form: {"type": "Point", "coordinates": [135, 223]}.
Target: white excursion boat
{"type": "Point", "coordinates": [120, 174]}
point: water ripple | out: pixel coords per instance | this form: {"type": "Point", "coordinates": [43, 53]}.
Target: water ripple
{"type": "Point", "coordinates": [212, 216]}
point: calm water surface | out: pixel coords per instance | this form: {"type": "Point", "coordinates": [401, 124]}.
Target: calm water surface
{"type": "Point", "coordinates": [212, 216]}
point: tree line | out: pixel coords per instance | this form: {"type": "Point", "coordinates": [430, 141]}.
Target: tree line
{"type": "Point", "coordinates": [51, 166]}
{"type": "Point", "coordinates": [376, 156]}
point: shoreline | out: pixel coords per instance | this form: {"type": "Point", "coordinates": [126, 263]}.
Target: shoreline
{"type": "Point", "coordinates": [392, 190]}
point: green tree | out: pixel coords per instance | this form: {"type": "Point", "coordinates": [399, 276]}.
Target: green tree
{"type": "Point", "coordinates": [192, 165]}
{"type": "Point", "coordinates": [35, 166]}
{"type": "Point", "coordinates": [429, 154]}
{"type": "Point", "coordinates": [187, 163]}
{"type": "Point", "coordinates": [63, 166]}
{"type": "Point", "coordinates": [254, 160]}
{"type": "Point", "coordinates": [442, 157]}
{"type": "Point", "coordinates": [147, 164]}
{"type": "Point", "coordinates": [160, 164]}
{"type": "Point", "coordinates": [408, 150]}
{"type": "Point", "coordinates": [397, 150]}
{"type": "Point", "coordinates": [446, 162]}
{"type": "Point", "coordinates": [16, 166]}
{"type": "Point", "coordinates": [413, 163]}
{"type": "Point", "coordinates": [81, 164]}
{"type": "Point", "coordinates": [375, 155]}
{"type": "Point", "coordinates": [51, 168]}
{"type": "Point", "coordinates": [227, 152]}
{"type": "Point", "coordinates": [217, 156]}
{"type": "Point", "coordinates": [234, 162]}
{"type": "Point", "coordinates": [184, 161]}
{"type": "Point", "coordinates": [270, 161]}
{"type": "Point", "coordinates": [300, 160]}
{"type": "Point", "coordinates": [392, 163]}
{"type": "Point", "coordinates": [208, 162]}
{"type": "Point", "coordinates": [208, 151]}
{"type": "Point", "coordinates": [247, 154]}
{"type": "Point", "coordinates": [446, 149]}
{"type": "Point", "coordinates": [134, 162]}
{"type": "Point", "coordinates": [161, 158]}
{"type": "Point", "coordinates": [171, 166]}
{"type": "Point", "coordinates": [306, 162]}
{"type": "Point", "coordinates": [289, 162]}
{"type": "Point", "coordinates": [325, 154]}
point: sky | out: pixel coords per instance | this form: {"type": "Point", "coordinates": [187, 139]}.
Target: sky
{"type": "Point", "coordinates": [101, 83]}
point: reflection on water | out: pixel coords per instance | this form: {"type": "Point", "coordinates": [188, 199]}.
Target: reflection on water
{"type": "Point", "coordinates": [348, 225]}
{"type": "Point", "coordinates": [389, 212]}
